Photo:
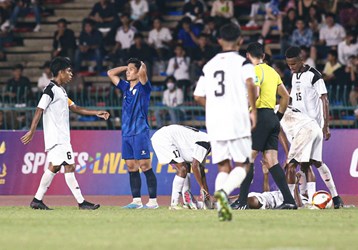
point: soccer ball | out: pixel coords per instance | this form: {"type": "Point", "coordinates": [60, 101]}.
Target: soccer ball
{"type": "Point", "coordinates": [322, 200]}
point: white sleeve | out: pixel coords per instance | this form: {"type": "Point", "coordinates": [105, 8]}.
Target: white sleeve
{"type": "Point", "coordinates": [150, 38]}
{"type": "Point", "coordinates": [180, 97]}
{"type": "Point", "coordinates": [248, 71]}
{"type": "Point", "coordinates": [340, 53]}
{"type": "Point", "coordinates": [200, 87]}
{"type": "Point", "coordinates": [44, 101]}
{"type": "Point", "coordinates": [170, 69]}
{"type": "Point", "coordinates": [168, 35]}
{"type": "Point", "coordinates": [320, 87]}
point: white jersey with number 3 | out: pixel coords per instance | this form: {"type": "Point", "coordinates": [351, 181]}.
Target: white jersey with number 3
{"type": "Point", "coordinates": [306, 92]}
{"type": "Point", "coordinates": [223, 83]}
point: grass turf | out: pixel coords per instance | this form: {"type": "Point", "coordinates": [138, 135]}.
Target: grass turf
{"type": "Point", "coordinates": [116, 228]}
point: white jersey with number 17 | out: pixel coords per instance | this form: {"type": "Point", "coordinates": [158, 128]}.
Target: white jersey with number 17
{"type": "Point", "coordinates": [223, 83]}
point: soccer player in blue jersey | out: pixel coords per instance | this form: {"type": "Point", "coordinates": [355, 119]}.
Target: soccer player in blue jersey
{"type": "Point", "coordinates": [135, 129]}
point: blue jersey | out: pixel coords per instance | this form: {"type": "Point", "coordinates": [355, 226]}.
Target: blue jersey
{"type": "Point", "coordinates": [135, 107]}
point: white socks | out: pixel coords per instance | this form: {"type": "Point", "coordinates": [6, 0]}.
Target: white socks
{"type": "Point", "coordinates": [45, 183]}
{"type": "Point", "coordinates": [326, 176]}
{"type": "Point", "coordinates": [236, 177]}
{"type": "Point", "coordinates": [137, 200]}
{"type": "Point", "coordinates": [220, 180]}
{"type": "Point", "coordinates": [178, 185]}
{"type": "Point", "coordinates": [73, 185]}
{"type": "Point", "coordinates": [311, 189]}
{"type": "Point", "coordinates": [186, 185]}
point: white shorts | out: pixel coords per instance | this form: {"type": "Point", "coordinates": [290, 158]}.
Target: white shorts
{"type": "Point", "coordinates": [61, 154]}
{"type": "Point", "coordinates": [238, 150]}
{"type": "Point", "coordinates": [307, 144]}
{"type": "Point", "coordinates": [268, 200]}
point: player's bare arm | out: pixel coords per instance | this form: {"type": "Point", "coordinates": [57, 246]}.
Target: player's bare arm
{"type": "Point", "coordinates": [113, 74]}
{"type": "Point", "coordinates": [200, 100]}
{"type": "Point", "coordinates": [28, 136]}
{"type": "Point", "coordinates": [83, 111]}
{"type": "Point", "coordinates": [142, 74]}
{"type": "Point", "coordinates": [326, 131]}
{"type": "Point", "coordinates": [284, 142]}
{"type": "Point", "coordinates": [251, 91]}
{"type": "Point", "coordinates": [285, 98]}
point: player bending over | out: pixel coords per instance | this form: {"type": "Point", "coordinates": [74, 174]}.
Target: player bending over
{"type": "Point", "coordinates": [55, 105]}
{"type": "Point", "coordinates": [180, 145]}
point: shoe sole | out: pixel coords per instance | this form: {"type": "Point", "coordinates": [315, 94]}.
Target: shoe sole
{"type": "Point", "coordinates": [224, 212]}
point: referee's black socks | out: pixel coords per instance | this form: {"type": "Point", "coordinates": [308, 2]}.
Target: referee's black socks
{"type": "Point", "coordinates": [279, 177]}
{"type": "Point", "coordinates": [245, 186]}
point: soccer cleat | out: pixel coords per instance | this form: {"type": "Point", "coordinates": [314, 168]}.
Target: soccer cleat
{"type": "Point", "coordinates": [175, 207]}
{"type": "Point", "coordinates": [237, 205]}
{"type": "Point", "coordinates": [206, 200]}
{"type": "Point", "coordinates": [85, 205]}
{"type": "Point", "coordinates": [37, 204]}
{"type": "Point", "coordinates": [224, 209]}
{"type": "Point", "coordinates": [287, 206]}
{"type": "Point", "coordinates": [133, 206]}
{"type": "Point", "coordinates": [338, 202]}
{"type": "Point", "coordinates": [190, 200]}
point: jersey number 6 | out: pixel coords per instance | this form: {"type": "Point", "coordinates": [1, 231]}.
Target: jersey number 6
{"type": "Point", "coordinates": [221, 91]}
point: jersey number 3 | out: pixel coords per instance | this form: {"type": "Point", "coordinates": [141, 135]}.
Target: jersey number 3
{"type": "Point", "coordinates": [221, 91]}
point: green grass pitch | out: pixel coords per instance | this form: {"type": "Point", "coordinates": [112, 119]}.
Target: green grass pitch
{"type": "Point", "coordinates": [116, 228]}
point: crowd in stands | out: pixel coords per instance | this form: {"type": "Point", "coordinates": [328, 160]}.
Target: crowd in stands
{"type": "Point", "coordinates": [115, 31]}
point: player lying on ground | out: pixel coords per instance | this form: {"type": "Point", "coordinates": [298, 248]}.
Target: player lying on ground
{"type": "Point", "coordinates": [55, 106]}
{"type": "Point", "coordinates": [306, 148]}
{"type": "Point", "coordinates": [180, 145]}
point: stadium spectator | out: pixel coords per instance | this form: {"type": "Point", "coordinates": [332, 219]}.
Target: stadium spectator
{"type": "Point", "coordinates": [222, 11]}
{"type": "Point", "coordinates": [302, 35]}
{"type": "Point", "coordinates": [308, 56]}
{"type": "Point", "coordinates": [172, 98]}
{"type": "Point", "coordinates": [257, 8]}
{"type": "Point", "coordinates": [347, 48]}
{"type": "Point", "coordinates": [273, 17]}
{"type": "Point", "coordinates": [6, 36]}
{"type": "Point", "coordinates": [139, 14]}
{"type": "Point", "coordinates": [348, 14]}
{"type": "Point", "coordinates": [303, 7]}
{"type": "Point", "coordinates": [179, 66]}
{"type": "Point", "coordinates": [284, 73]}
{"type": "Point", "coordinates": [90, 46]}
{"type": "Point", "coordinates": [288, 26]}
{"type": "Point", "coordinates": [315, 21]}
{"type": "Point", "coordinates": [330, 67]}
{"type": "Point", "coordinates": [202, 55]}
{"type": "Point", "coordinates": [332, 33]}
{"type": "Point", "coordinates": [45, 78]}
{"type": "Point", "coordinates": [106, 19]}
{"type": "Point", "coordinates": [195, 10]}
{"type": "Point", "coordinates": [124, 40]}
{"type": "Point", "coordinates": [24, 7]}
{"type": "Point", "coordinates": [211, 31]}
{"type": "Point", "coordinates": [160, 38]}
{"type": "Point", "coordinates": [188, 34]}
{"type": "Point", "coordinates": [353, 70]}
{"type": "Point", "coordinates": [141, 50]}
{"type": "Point", "coordinates": [64, 40]}
{"type": "Point", "coordinates": [18, 88]}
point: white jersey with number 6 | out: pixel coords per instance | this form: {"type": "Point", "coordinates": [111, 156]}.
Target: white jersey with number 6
{"type": "Point", "coordinates": [223, 83]}
{"type": "Point", "coordinates": [307, 88]}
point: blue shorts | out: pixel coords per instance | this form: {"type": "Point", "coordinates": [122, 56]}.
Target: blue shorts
{"type": "Point", "coordinates": [136, 147]}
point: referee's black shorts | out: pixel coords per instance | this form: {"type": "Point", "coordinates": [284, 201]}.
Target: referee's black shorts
{"type": "Point", "coordinates": [265, 135]}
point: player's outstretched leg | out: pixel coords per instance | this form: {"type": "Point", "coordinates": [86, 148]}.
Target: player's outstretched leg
{"type": "Point", "coordinates": [224, 209]}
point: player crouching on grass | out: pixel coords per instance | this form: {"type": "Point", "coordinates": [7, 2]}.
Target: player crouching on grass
{"type": "Point", "coordinates": [181, 145]}
{"type": "Point", "coordinates": [55, 106]}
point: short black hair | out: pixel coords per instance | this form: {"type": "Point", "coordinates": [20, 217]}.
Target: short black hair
{"type": "Point", "coordinates": [137, 63]}
{"type": "Point", "coordinates": [330, 14]}
{"type": "Point", "coordinates": [230, 32]}
{"type": "Point", "coordinates": [171, 79]}
{"type": "Point", "coordinates": [138, 35]}
{"type": "Point", "coordinates": [256, 50]}
{"type": "Point", "coordinates": [18, 66]}
{"type": "Point", "coordinates": [59, 63]}
{"type": "Point", "coordinates": [293, 52]}
{"type": "Point", "coordinates": [333, 53]}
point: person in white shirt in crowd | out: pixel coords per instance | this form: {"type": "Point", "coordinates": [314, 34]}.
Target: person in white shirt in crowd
{"type": "Point", "coordinates": [160, 37]}
{"type": "Point", "coordinates": [46, 76]}
{"type": "Point", "coordinates": [178, 66]}
{"type": "Point", "coordinates": [172, 98]}
{"type": "Point", "coordinates": [308, 57]}
{"type": "Point", "coordinates": [139, 11]}
{"type": "Point", "coordinates": [347, 48]}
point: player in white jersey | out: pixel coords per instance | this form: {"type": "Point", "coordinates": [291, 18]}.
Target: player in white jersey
{"type": "Point", "coordinates": [309, 95]}
{"type": "Point", "coordinates": [225, 89]}
{"type": "Point", "coordinates": [55, 105]}
{"type": "Point", "coordinates": [180, 145]}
